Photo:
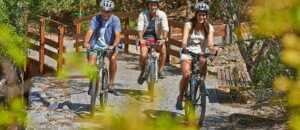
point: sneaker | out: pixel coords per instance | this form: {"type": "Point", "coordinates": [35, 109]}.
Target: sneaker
{"type": "Point", "coordinates": [179, 105]}
{"type": "Point", "coordinates": [141, 78]}
{"type": "Point", "coordinates": [113, 91]}
{"type": "Point", "coordinates": [161, 75]}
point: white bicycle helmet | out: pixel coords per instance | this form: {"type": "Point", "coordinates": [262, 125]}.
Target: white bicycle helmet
{"type": "Point", "coordinates": [201, 6]}
{"type": "Point", "coordinates": [107, 5]}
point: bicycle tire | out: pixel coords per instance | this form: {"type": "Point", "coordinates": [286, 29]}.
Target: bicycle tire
{"type": "Point", "coordinates": [203, 102]}
{"type": "Point", "coordinates": [152, 79]}
{"type": "Point", "coordinates": [94, 92]}
{"type": "Point", "coordinates": [104, 88]}
{"type": "Point", "coordinates": [189, 107]}
{"type": "Point", "coordinates": [196, 92]}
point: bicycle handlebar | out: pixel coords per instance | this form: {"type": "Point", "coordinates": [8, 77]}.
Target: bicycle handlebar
{"type": "Point", "coordinates": [157, 43]}
{"type": "Point", "coordinates": [101, 49]}
{"type": "Point", "coordinates": [206, 54]}
{"type": "Point", "coordinates": [152, 44]}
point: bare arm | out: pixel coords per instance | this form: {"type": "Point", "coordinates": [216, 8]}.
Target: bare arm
{"type": "Point", "coordinates": [165, 26]}
{"type": "Point", "coordinates": [87, 38]}
{"type": "Point", "coordinates": [117, 39]}
{"type": "Point", "coordinates": [140, 27]}
{"type": "Point", "coordinates": [186, 32]}
{"type": "Point", "coordinates": [210, 40]}
{"type": "Point", "coordinates": [141, 35]}
{"type": "Point", "coordinates": [165, 36]}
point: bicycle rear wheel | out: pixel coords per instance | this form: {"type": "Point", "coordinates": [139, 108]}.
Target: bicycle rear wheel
{"type": "Point", "coordinates": [94, 84]}
{"type": "Point", "coordinates": [104, 89]}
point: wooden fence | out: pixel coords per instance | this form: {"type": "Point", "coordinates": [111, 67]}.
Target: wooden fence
{"type": "Point", "coordinates": [39, 35]}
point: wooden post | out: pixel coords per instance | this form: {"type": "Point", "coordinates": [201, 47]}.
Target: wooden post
{"type": "Point", "coordinates": [77, 36]}
{"type": "Point", "coordinates": [227, 37]}
{"type": "Point", "coordinates": [42, 45]}
{"type": "Point", "coordinates": [126, 34]}
{"type": "Point", "coordinates": [61, 30]}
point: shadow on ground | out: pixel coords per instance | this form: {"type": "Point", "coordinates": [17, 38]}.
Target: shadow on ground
{"type": "Point", "coordinates": [159, 114]}
{"type": "Point", "coordinates": [239, 121]}
{"type": "Point", "coordinates": [218, 96]}
{"type": "Point", "coordinates": [140, 95]}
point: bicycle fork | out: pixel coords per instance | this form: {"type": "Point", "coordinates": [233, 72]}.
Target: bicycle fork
{"type": "Point", "coordinates": [153, 67]}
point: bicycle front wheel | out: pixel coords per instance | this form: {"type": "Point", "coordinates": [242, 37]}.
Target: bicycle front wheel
{"type": "Point", "coordinates": [94, 92]}
{"type": "Point", "coordinates": [189, 104]}
{"type": "Point", "coordinates": [152, 79]}
{"type": "Point", "coordinates": [104, 89]}
{"type": "Point", "coordinates": [195, 104]}
{"type": "Point", "coordinates": [202, 96]}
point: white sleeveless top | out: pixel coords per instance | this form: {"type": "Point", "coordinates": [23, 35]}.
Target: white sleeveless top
{"type": "Point", "coordinates": [196, 39]}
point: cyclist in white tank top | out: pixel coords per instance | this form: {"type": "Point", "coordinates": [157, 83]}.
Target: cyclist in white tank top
{"type": "Point", "coordinates": [197, 36]}
{"type": "Point", "coordinates": [196, 41]}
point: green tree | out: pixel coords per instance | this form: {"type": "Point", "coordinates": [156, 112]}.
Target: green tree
{"type": "Point", "coordinates": [281, 18]}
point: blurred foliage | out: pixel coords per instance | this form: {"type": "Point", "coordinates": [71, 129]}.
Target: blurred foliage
{"type": "Point", "coordinates": [60, 7]}
{"type": "Point", "coordinates": [259, 50]}
{"type": "Point", "coordinates": [13, 45]}
{"type": "Point", "coordinates": [74, 62]}
{"type": "Point", "coordinates": [230, 11]}
{"type": "Point", "coordinates": [14, 12]}
{"type": "Point", "coordinates": [132, 118]}
{"type": "Point", "coordinates": [13, 115]}
{"type": "Point", "coordinates": [281, 18]}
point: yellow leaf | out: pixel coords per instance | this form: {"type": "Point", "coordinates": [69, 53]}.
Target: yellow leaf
{"type": "Point", "coordinates": [294, 122]}
{"type": "Point", "coordinates": [291, 57]}
{"type": "Point", "coordinates": [282, 84]}
{"type": "Point", "coordinates": [291, 41]}
{"type": "Point", "coordinates": [294, 96]}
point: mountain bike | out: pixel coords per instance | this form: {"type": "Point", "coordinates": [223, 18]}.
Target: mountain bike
{"type": "Point", "coordinates": [151, 69]}
{"type": "Point", "coordinates": [99, 83]}
{"type": "Point", "coordinates": [195, 94]}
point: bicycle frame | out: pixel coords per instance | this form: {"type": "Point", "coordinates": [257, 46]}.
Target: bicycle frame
{"type": "Point", "coordinates": [197, 89]}
{"type": "Point", "coordinates": [196, 77]}
{"type": "Point", "coordinates": [100, 59]}
{"type": "Point", "coordinates": [95, 82]}
{"type": "Point", "coordinates": [152, 60]}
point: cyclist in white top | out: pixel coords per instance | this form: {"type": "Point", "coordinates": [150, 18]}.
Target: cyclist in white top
{"type": "Point", "coordinates": [152, 26]}
{"type": "Point", "coordinates": [197, 36]}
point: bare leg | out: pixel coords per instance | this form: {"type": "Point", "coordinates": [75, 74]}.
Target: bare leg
{"type": "Point", "coordinates": [143, 57]}
{"type": "Point", "coordinates": [162, 57]}
{"type": "Point", "coordinates": [185, 66]}
{"type": "Point", "coordinates": [112, 69]}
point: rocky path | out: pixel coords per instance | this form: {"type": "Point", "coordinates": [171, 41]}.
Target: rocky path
{"type": "Point", "coordinates": [56, 104]}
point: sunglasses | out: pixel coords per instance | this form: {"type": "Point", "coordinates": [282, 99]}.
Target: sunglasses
{"type": "Point", "coordinates": [202, 14]}
{"type": "Point", "coordinates": [107, 12]}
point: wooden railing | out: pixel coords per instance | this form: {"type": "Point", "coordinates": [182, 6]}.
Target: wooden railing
{"type": "Point", "coordinates": [128, 33]}
{"type": "Point", "coordinates": [40, 36]}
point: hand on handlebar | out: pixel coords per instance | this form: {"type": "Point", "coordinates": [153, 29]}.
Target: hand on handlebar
{"type": "Point", "coordinates": [86, 45]}
{"type": "Point", "coordinates": [184, 50]}
{"type": "Point", "coordinates": [111, 47]}
{"type": "Point", "coordinates": [142, 41]}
